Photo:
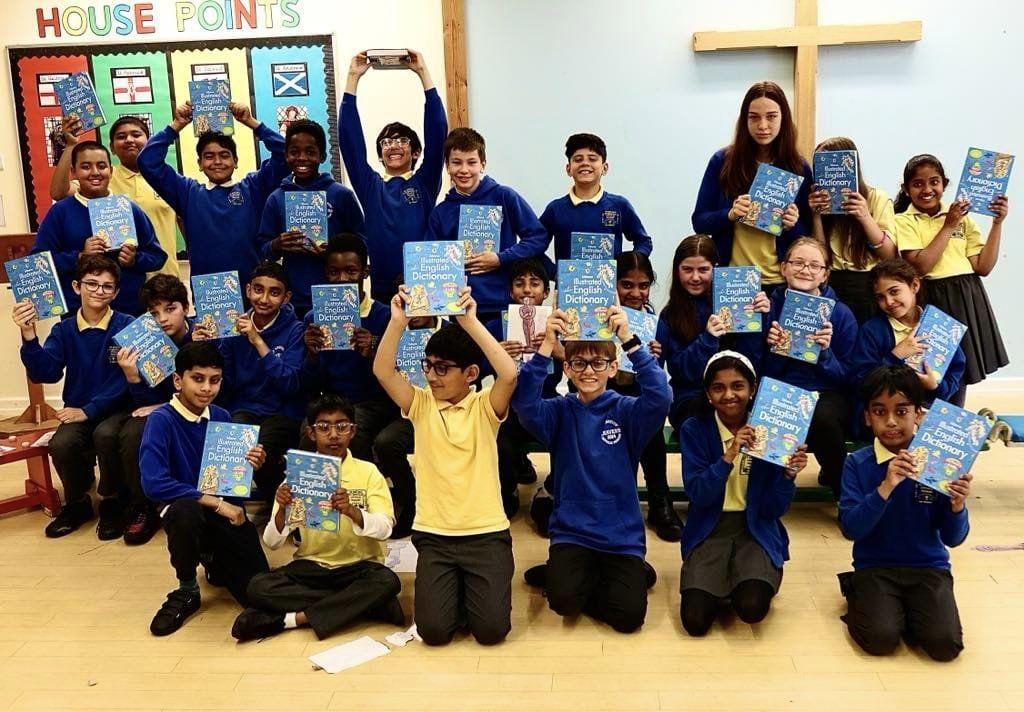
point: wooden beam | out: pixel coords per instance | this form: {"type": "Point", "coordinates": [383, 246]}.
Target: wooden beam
{"type": "Point", "coordinates": [805, 81]}
{"type": "Point", "coordinates": [796, 36]}
{"type": "Point", "coordinates": [456, 79]}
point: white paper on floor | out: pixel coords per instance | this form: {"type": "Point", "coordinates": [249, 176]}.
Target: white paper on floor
{"type": "Point", "coordinates": [401, 557]}
{"type": "Point", "coordinates": [348, 655]}
{"type": "Point", "coordinates": [401, 638]}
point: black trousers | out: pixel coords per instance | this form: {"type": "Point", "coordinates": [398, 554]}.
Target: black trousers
{"type": "Point", "coordinates": [76, 448]}
{"type": "Point", "coordinates": [392, 446]}
{"type": "Point", "coordinates": [884, 604]}
{"type": "Point", "coordinates": [330, 598]}
{"type": "Point", "coordinates": [278, 433]}
{"type": "Point", "coordinates": [609, 587]}
{"type": "Point", "coordinates": [511, 437]}
{"type": "Point", "coordinates": [826, 437]}
{"type": "Point", "coordinates": [230, 554]}
{"type": "Point", "coordinates": [751, 600]}
{"type": "Point", "coordinates": [128, 445]}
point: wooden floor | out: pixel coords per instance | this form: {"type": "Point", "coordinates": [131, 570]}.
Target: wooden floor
{"type": "Point", "coordinates": [74, 617]}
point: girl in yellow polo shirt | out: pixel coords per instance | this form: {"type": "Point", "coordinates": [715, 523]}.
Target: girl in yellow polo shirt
{"type": "Point", "coordinates": [944, 244]}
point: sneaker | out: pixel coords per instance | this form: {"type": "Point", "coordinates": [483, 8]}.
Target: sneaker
{"type": "Point", "coordinates": [663, 519]}
{"type": "Point", "coordinates": [536, 576]}
{"type": "Point", "coordinates": [143, 523]}
{"type": "Point", "coordinates": [253, 624]}
{"type": "Point", "coordinates": [526, 473]}
{"type": "Point", "coordinates": [111, 524]}
{"type": "Point", "coordinates": [71, 517]}
{"type": "Point", "coordinates": [180, 604]}
{"type": "Point", "coordinates": [652, 575]}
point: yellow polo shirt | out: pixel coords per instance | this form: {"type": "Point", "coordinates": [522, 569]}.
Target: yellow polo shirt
{"type": "Point", "coordinates": [579, 201]}
{"type": "Point", "coordinates": [457, 491]}
{"type": "Point", "coordinates": [900, 330]}
{"type": "Point", "coordinates": [103, 324]}
{"type": "Point", "coordinates": [125, 182]}
{"type": "Point", "coordinates": [915, 231]}
{"type": "Point", "coordinates": [739, 476]}
{"type": "Point", "coordinates": [882, 453]}
{"type": "Point", "coordinates": [751, 246]}
{"type": "Point", "coordinates": [880, 208]}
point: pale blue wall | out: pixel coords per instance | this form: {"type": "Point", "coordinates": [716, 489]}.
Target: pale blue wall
{"type": "Point", "coordinates": [542, 69]}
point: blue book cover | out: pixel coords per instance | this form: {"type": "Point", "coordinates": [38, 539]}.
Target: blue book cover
{"type": "Point", "coordinates": [802, 315]}
{"type": "Point", "coordinates": [112, 220]}
{"type": "Point", "coordinates": [156, 351]}
{"type": "Point", "coordinates": [210, 112]}
{"type": "Point", "coordinates": [592, 246]}
{"type": "Point", "coordinates": [313, 479]}
{"type": "Point", "coordinates": [306, 212]}
{"type": "Point", "coordinates": [732, 292]}
{"type": "Point", "coordinates": [586, 289]}
{"type": "Point", "coordinates": [336, 312]}
{"type": "Point", "coordinates": [986, 176]}
{"type": "Point", "coordinates": [34, 279]}
{"type": "Point", "coordinates": [218, 299]}
{"type": "Point", "coordinates": [780, 418]}
{"type": "Point", "coordinates": [411, 351]}
{"type": "Point", "coordinates": [77, 98]}
{"type": "Point", "coordinates": [833, 171]}
{"type": "Point", "coordinates": [942, 334]}
{"type": "Point", "coordinates": [224, 471]}
{"type": "Point", "coordinates": [642, 324]}
{"type": "Point", "coordinates": [435, 274]}
{"type": "Point", "coordinates": [946, 444]}
{"type": "Point", "coordinates": [480, 228]}
{"type": "Point", "coordinates": [771, 193]}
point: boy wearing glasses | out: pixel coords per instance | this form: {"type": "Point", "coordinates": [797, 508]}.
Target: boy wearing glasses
{"type": "Point", "coordinates": [398, 203]}
{"type": "Point", "coordinates": [596, 560]}
{"type": "Point", "coordinates": [335, 578]}
{"type": "Point", "coordinates": [465, 566]}
{"type": "Point", "coordinates": [81, 350]}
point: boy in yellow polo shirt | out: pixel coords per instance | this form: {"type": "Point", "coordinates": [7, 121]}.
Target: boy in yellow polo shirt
{"type": "Point", "coordinates": [464, 570]}
{"type": "Point", "coordinates": [335, 577]}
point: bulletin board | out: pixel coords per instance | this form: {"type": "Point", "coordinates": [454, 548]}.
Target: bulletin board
{"type": "Point", "coordinates": [282, 78]}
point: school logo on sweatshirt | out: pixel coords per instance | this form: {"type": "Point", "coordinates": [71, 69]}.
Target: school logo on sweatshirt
{"type": "Point", "coordinates": [235, 197]}
{"type": "Point", "coordinates": [610, 218]}
{"type": "Point", "coordinates": [612, 432]}
{"type": "Point", "coordinates": [411, 195]}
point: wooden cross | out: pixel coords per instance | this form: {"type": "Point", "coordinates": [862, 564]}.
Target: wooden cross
{"type": "Point", "coordinates": [807, 36]}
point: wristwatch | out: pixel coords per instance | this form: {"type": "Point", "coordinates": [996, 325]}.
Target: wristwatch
{"type": "Point", "coordinates": [630, 343]}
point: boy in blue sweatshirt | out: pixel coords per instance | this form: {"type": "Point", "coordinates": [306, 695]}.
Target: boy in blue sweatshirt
{"type": "Point", "coordinates": [66, 232]}
{"type": "Point", "coordinates": [201, 528]}
{"type": "Point", "coordinates": [587, 207]}
{"type": "Point", "coordinates": [261, 370]}
{"type": "Point", "coordinates": [222, 216]}
{"type": "Point", "coordinates": [398, 203]}
{"type": "Point", "coordinates": [522, 235]}
{"type": "Point", "coordinates": [165, 298]}
{"type": "Point", "coordinates": [901, 584]}
{"type": "Point", "coordinates": [305, 148]}
{"type": "Point", "coordinates": [595, 437]}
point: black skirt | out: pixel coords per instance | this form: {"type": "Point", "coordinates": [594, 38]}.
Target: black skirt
{"type": "Point", "coordinates": [854, 290]}
{"type": "Point", "coordinates": [729, 556]}
{"type": "Point", "coordinates": [963, 297]}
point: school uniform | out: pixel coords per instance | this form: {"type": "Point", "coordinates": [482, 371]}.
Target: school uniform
{"type": "Point", "coordinates": [901, 584]}
{"type": "Point", "coordinates": [396, 207]}
{"type": "Point", "coordinates": [603, 213]}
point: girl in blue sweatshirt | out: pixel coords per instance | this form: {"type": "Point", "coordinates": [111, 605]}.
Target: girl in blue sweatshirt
{"type": "Point", "coordinates": [734, 543]}
{"type": "Point", "coordinates": [806, 269]}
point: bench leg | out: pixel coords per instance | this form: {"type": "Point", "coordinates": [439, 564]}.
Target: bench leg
{"type": "Point", "coordinates": [40, 485]}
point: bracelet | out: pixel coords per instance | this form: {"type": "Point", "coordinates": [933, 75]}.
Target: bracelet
{"type": "Point", "coordinates": [885, 236]}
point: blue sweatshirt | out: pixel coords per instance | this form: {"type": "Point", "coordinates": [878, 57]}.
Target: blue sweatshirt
{"type": "Point", "coordinates": [910, 529]}
{"type": "Point", "coordinates": [396, 208]}
{"type": "Point", "coordinates": [64, 231]}
{"type": "Point", "coordinates": [269, 385]}
{"type": "Point", "coordinates": [518, 219]}
{"type": "Point", "coordinates": [874, 348]}
{"type": "Point", "coordinates": [705, 473]}
{"type": "Point", "coordinates": [86, 360]}
{"type": "Point", "coordinates": [833, 371]}
{"type": "Point", "coordinates": [220, 222]}
{"type": "Point", "coordinates": [711, 213]}
{"type": "Point", "coordinates": [497, 327]}
{"type": "Point", "coordinates": [346, 372]}
{"type": "Point", "coordinates": [171, 453]}
{"type": "Point", "coordinates": [595, 450]}
{"type": "Point", "coordinates": [305, 269]}
{"type": "Point", "coordinates": [141, 393]}
{"type": "Point", "coordinates": [611, 214]}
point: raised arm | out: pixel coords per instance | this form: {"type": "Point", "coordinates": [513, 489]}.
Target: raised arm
{"type": "Point", "coordinates": [505, 371]}
{"type": "Point", "coordinates": [60, 183]}
{"type": "Point", "coordinates": [394, 383]}
{"type": "Point", "coordinates": [167, 182]}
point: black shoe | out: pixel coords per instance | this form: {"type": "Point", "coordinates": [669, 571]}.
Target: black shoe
{"type": "Point", "coordinates": [540, 511]}
{"type": "Point", "coordinates": [111, 523]}
{"type": "Point", "coordinates": [71, 517]}
{"type": "Point", "coordinates": [213, 576]}
{"type": "Point", "coordinates": [536, 576]}
{"type": "Point", "coordinates": [388, 612]}
{"type": "Point", "coordinates": [253, 624]}
{"type": "Point", "coordinates": [177, 608]}
{"type": "Point", "coordinates": [526, 474]}
{"type": "Point", "coordinates": [652, 575]}
{"type": "Point", "coordinates": [143, 522]}
{"type": "Point", "coordinates": [663, 519]}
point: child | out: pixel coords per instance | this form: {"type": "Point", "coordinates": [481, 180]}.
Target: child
{"type": "Point", "coordinates": [689, 334]}
{"type": "Point", "coordinates": [901, 584]}
{"type": "Point", "coordinates": [80, 350]}
{"type": "Point", "coordinates": [465, 566]}
{"type": "Point", "coordinates": [596, 560]}
{"type": "Point", "coordinates": [765, 133]}
{"type": "Point", "coordinates": [166, 299]}
{"type": "Point", "coordinates": [806, 270]}
{"type": "Point", "coordinates": [66, 232]}
{"type": "Point", "coordinates": [522, 235]}
{"type": "Point", "coordinates": [587, 207]}
{"type": "Point", "coordinates": [398, 203]}
{"type": "Point", "coordinates": [221, 217]}
{"type": "Point", "coordinates": [857, 239]}
{"type": "Point", "coordinates": [943, 243]}
{"type": "Point", "coordinates": [334, 578]}
{"type": "Point", "coordinates": [305, 148]}
{"type": "Point", "coordinates": [201, 528]}
{"type": "Point", "coordinates": [261, 370]}
{"type": "Point", "coordinates": [734, 543]}
{"type": "Point", "coordinates": [890, 338]}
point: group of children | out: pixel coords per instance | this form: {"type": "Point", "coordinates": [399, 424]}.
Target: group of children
{"type": "Point", "coordinates": [467, 433]}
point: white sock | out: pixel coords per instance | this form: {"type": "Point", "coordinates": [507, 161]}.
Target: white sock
{"type": "Point", "coordinates": [289, 621]}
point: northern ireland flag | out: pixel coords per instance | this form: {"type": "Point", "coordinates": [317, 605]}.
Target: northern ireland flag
{"type": "Point", "coordinates": [290, 79]}
{"type": "Point", "coordinates": [131, 85]}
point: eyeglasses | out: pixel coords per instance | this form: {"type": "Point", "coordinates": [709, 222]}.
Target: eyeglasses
{"type": "Point", "coordinates": [811, 267]}
{"type": "Point", "coordinates": [402, 141]}
{"type": "Point", "coordinates": [579, 365]}
{"type": "Point", "coordinates": [101, 287]}
{"type": "Point", "coordinates": [439, 367]}
{"type": "Point", "coordinates": [324, 427]}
